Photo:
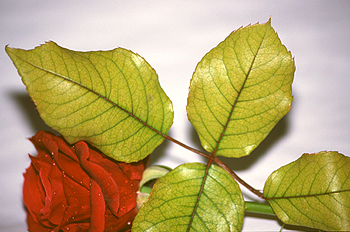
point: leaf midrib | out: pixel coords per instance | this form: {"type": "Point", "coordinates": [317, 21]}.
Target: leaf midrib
{"type": "Point", "coordinates": [222, 134]}
{"type": "Point", "coordinates": [236, 100]}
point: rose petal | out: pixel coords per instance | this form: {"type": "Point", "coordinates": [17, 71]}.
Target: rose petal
{"type": "Point", "coordinates": [64, 185]}
{"type": "Point", "coordinates": [127, 188]}
{"type": "Point", "coordinates": [36, 226]}
{"type": "Point", "coordinates": [32, 193]}
{"type": "Point", "coordinates": [72, 169]}
{"type": "Point", "coordinates": [122, 224]}
{"type": "Point", "coordinates": [101, 176]}
{"type": "Point", "coordinates": [77, 197]}
{"type": "Point", "coordinates": [59, 201]}
{"type": "Point", "coordinates": [98, 208]}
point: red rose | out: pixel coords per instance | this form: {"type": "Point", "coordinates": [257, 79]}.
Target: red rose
{"type": "Point", "coordinates": [76, 188]}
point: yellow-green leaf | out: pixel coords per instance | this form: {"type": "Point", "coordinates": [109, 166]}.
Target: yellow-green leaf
{"type": "Point", "coordinates": [240, 90]}
{"type": "Point", "coordinates": [313, 191]}
{"type": "Point", "coordinates": [172, 203]}
{"type": "Point", "coordinates": [111, 99]}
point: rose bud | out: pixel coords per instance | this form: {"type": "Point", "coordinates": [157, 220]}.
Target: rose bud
{"type": "Point", "coordinates": [77, 188]}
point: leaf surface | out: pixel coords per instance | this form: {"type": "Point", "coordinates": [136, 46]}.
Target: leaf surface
{"type": "Point", "coordinates": [313, 191]}
{"type": "Point", "coordinates": [240, 90]}
{"type": "Point", "coordinates": [174, 196]}
{"type": "Point", "coordinates": [111, 99]}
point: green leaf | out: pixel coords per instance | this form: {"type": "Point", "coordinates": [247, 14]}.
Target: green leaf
{"type": "Point", "coordinates": [172, 203]}
{"type": "Point", "coordinates": [240, 90]}
{"type": "Point", "coordinates": [313, 191]}
{"type": "Point", "coordinates": [111, 99]}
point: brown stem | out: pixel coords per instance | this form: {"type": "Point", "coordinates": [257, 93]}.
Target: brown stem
{"type": "Point", "coordinates": [220, 163]}
{"type": "Point", "coordinates": [238, 179]}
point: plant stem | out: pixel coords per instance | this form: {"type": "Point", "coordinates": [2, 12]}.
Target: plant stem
{"type": "Point", "coordinates": [259, 208]}
{"type": "Point", "coordinates": [185, 146]}
{"type": "Point", "coordinates": [210, 157]}
{"type": "Point", "coordinates": [238, 179]}
{"type": "Point", "coordinates": [145, 189]}
{"type": "Point", "coordinates": [219, 162]}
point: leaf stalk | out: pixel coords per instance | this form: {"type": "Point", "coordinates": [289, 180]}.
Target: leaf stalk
{"type": "Point", "coordinates": [260, 208]}
{"type": "Point", "coordinates": [218, 162]}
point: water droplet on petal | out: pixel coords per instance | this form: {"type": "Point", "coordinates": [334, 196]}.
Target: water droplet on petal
{"type": "Point", "coordinates": [129, 223]}
{"type": "Point", "coordinates": [126, 181]}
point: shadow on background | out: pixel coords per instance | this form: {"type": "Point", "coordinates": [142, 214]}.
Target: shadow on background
{"type": "Point", "coordinates": [284, 227]}
{"type": "Point", "coordinates": [27, 106]}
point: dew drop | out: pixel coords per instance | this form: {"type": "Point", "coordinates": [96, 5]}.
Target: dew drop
{"type": "Point", "coordinates": [73, 218]}
{"type": "Point", "coordinates": [129, 223]}
{"type": "Point", "coordinates": [53, 163]}
{"type": "Point", "coordinates": [131, 184]}
{"type": "Point", "coordinates": [126, 181]}
{"type": "Point", "coordinates": [54, 193]}
{"type": "Point", "coordinates": [67, 228]}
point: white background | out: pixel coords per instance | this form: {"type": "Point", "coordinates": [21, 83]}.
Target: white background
{"type": "Point", "coordinates": [173, 36]}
